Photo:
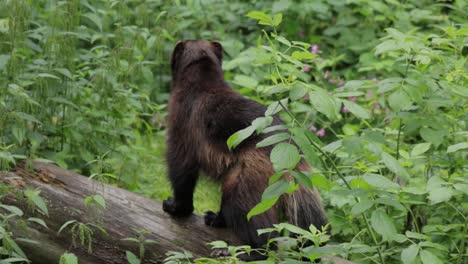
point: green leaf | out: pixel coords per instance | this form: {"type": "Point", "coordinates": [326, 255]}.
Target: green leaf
{"type": "Point", "coordinates": [356, 109]}
{"type": "Point", "coordinates": [262, 207]}
{"type": "Point", "coordinates": [276, 107]}
{"type": "Point", "coordinates": [436, 137]}
{"type": "Point", "coordinates": [302, 179]}
{"type": "Point", "coordinates": [420, 149]}
{"type": "Point", "coordinates": [48, 75]}
{"type": "Point", "coordinates": [380, 181]}
{"type": "Point", "coordinates": [131, 258]}
{"type": "Point", "coordinates": [284, 156]}
{"type": "Point", "coordinates": [34, 198]}
{"type": "Point", "coordinates": [258, 124]}
{"type": "Point", "coordinates": [245, 81]}
{"type": "Point", "coordinates": [383, 225]}
{"type": "Point", "coordinates": [65, 225]}
{"type": "Point", "coordinates": [68, 258]}
{"type": "Point", "coordinates": [393, 165]}
{"type": "Point", "coordinates": [276, 189]}
{"type": "Point", "coordinates": [321, 182]}
{"type": "Point", "coordinates": [95, 19]}
{"type": "Point", "coordinates": [38, 221]}
{"type": "Point", "coordinates": [303, 55]}
{"type": "Point", "coordinates": [457, 147]}
{"type": "Point", "coordinates": [301, 137]}
{"type": "Point", "coordinates": [441, 194]}
{"type": "Point", "coordinates": [408, 255]}
{"type": "Point", "coordinates": [399, 100]}
{"type": "Point", "coordinates": [388, 84]}
{"type": "Point", "coordinates": [100, 200]}
{"type": "Point", "coordinates": [297, 92]}
{"type": "Point", "coordinates": [13, 260]}
{"type": "Point", "coordinates": [12, 209]}
{"type": "Point", "coordinates": [277, 19]}
{"type": "Point", "coordinates": [361, 206]}
{"type": "Point", "coordinates": [324, 103]}
{"type": "Point", "coordinates": [273, 139]}
{"type": "Point", "coordinates": [280, 6]}
{"type": "Point", "coordinates": [262, 18]}
{"type": "Point", "coordinates": [428, 258]}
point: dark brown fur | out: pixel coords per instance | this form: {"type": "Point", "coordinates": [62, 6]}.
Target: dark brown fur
{"type": "Point", "coordinates": [203, 112]}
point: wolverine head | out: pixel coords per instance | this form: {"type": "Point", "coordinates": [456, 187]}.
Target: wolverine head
{"type": "Point", "coordinates": [188, 53]}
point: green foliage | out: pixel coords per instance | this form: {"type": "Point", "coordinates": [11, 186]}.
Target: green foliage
{"type": "Point", "coordinates": [68, 258]}
{"type": "Point", "coordinates": [374, 95]}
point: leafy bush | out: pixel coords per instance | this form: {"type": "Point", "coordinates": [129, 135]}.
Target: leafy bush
{"type": "Point", "coordinates": [374, 94]}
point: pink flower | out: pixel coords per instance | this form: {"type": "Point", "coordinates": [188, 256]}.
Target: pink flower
{"type": "Point", "coordinates": [332, 81]}
{"type": "Point", "coordinates": [369, 94]}
{"type": "Point", "coordinates": [344, 109]}
{"type": "Point", "coordinates": [320, 133]}
{"type": "Point", "coordinates": [377, 106]}
{"type": "Point", "coordinates": [352, 99]}
{"type": "Point", "coordinates": [340, 83]}
{"type": "Point", "coordinates": [314, 49]}
{"type": "Point", "coordinates": [312, 128]}
{"type": "Point", "coordinates": [306, 68]}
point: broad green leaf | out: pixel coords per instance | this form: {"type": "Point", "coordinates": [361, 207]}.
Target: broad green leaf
{"type": "Point", "coordinates": [428, 258]}
{"type": "Point", "coordinates": [361, 206]}
{"type": "Point", "coordinates": [380, 181]}
{"type": "Point", "coordinates": [324, 103]}
{"type": "Point", "coordinates": [276, 189]}
{"type": "Point", "coordinates": [408, 255]}
{"type": "Point", "coordinates": [301, 137]}
{"type": "Point", "coordinates": [131, 258]}
{"type": "Point", "coordinates": [420, 149]}
{"type": "Point", "coordinates": [436, 137]}
{"type": "Point", "coordinates": [245, 81]}
{"type": "Point", "coordinates": [388, 84]}
{"type": "Point", "coordinates": [393, 165]}
{"type": "Point", "coordinates": [100, 200]}
{"type": "Point", "coordinates": [97, 21]}
{"type": "Point", "coordinates": [356, 109]}
{"type": "Point", "coordinates": [302, 179]}
{"type": "Point", "coordinates": [321, 182]}
{"type": "Point", "coordinates": [391, 202]}
{"type": "Point", "coordinates": [284, 156]}
{"type": "Point", "coordinates": [257, 125]}
{"type": "Point", "coordinates": [68, 258]}
{"type": "Point", "coordinates": [399, 100]}
{"type": "Point", "coordinates": [35, 198]}
{"type": "Point", "coordinates": [333, 146]}
{"type": "Point", "coordinates": [297, 92]}
{"type": "Point", "coordinates": [441, 194]}
{"type": "Point", "coordinates": [273, 139]}
{"type": "Point", "coordinates": [383, 225]}
{"type": "Point", "coordinates": [457, 147]}
{"type": "Point", "coordinates": [14, 260]}
{"type": "Point", "coordinates": [262, 207]}
{"type": "Point", "coordinates": [277, 19]}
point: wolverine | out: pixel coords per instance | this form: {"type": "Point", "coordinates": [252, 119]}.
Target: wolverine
{"type": "Point", "coordinates": [204, 111]}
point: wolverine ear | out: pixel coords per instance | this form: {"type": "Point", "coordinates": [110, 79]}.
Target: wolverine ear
{"type": "Point", "coordinates": [178, 50]}
{"type": "Point", "coordinates": [217, 49]}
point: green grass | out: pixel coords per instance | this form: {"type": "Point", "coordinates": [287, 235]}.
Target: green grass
{"type": "Point", "coordinates": [144, 171]}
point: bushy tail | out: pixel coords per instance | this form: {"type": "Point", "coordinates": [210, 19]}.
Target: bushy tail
{"type": "Point", "coordinates": [304, 208]}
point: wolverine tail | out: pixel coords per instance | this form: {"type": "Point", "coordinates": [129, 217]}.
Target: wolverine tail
{"type": "Point", "coordinates": [304, 208]}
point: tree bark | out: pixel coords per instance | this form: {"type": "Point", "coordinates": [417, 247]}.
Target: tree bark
{"type": "Point", "coordinates": [125, 214]}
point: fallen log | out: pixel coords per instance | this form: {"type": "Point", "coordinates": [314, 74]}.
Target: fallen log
{"type": "Point", "coordinates": [124, 215]}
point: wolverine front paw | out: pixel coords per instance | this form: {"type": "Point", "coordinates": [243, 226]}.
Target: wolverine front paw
{"type": "Point", "coordinates": [174, 208]}
{"type": "Point", "coordinates": [213, 219]}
